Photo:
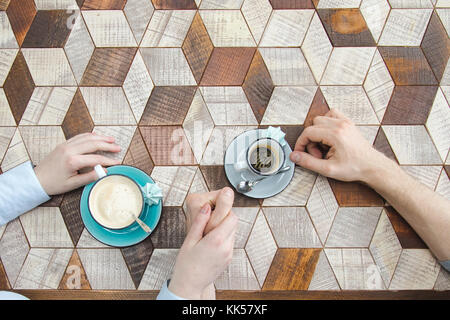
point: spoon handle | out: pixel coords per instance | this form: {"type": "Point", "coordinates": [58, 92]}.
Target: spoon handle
{"type": "Point", "coordinates": [143, 225]}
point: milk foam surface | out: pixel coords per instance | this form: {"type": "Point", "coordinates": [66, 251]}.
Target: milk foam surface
{"type": "Point", "coordinates": [114, 201]}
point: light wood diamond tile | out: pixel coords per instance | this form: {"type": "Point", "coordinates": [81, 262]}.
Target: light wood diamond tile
{"type": "Point", "coordinates": [442, 281]}
{"type": "Point", "coordinates": [287, 66]}
{"type": "Point", "coordinates": [289, 105]}
{"type": "Point", "coordinates": [168, 28]}
{"type": "Point", "coordinates": [6, 117]}
{"type": "Point", "coordinates": [317, 47]}
{"type": "Point", "coordinates": [286, 28]}
{"type": "Point", "coordinates": [7, 38]}
{"type": "Point", "coordinates": [49, 67]}
{"type": "Point", "coordinates": [322, 207]}
{"type": "Point", "coordinates": [43, 268]}
{"type": "Point", "coordinates": [257, 14]}
{"type": "Point", "coordinates": [352, 101]}
{"type": "Point", "coordinates": [443, 186]}
{"type": "Point", "coordinates": [375, 12]}
{"type": "Point", "coordinates": [385, 248]}
{"type": "Point", "coordinates": [174, 181]}
{"type": "Point", "coordinates": [417, 269]}
{"type": "Point", "coordinates": [198, 125]}
{"type": "Point", "coordinates": [405, 27]}
{"type": "Point", "coordinates": [2, 229]}
{"type": "Point", "coordinates": [122, 135]}
{"type": "Point", "coordinates": [228, 106]}
{"type": "Point", "coordinates": [220, 139]}
{"type": "Point", "coordinates": [106, 269]}
{"type": "Point", "coordinates": [369, 132]}
{"type": "Point", "coordinates": [159, 269]}
{"type": "Point", "coordinates": [108, 106]}
{"type": "Point", "coordinates": [444, 14]}
{"type": "Point", "coordinates": [247, 218]}
{"type": "Point", "coordinates": [323, 278]}
{"type": "Point", "coordinates": [438, 124]}
{"type": "Point", "coordinates": [7, 57]}
{"type": "Point", "coordinates": [238, 275]}
{"type": "Point", "coordinates": [355, 269]}
{"type": "Point", "coordinates": [41, 140]}
{"type": "Point", "coordinates": [109, 28]}
{"type": "Point", "coordinates": [428, 175]}
{"type": "Point", "coordinates": [379, 85]}
{"type": "Point", "coordinates": [297, 192]}
{"type": "Point", "coordinates": [348, 66]}
{"type": "Point", "coordinates": [353, 227]}
{"type": "Point", "coordinates": [13, 249]}
{"type": "Point", "coordinates": [198, 185]}
{"type": "Point", "coordinates": [416, 4]}
{"type": "Point", "coordinates": [227, 28]}
{"type": "Point", "coordinates": [79, 48]}
{"type": "Point", "coordinates": [261, 248]}
{"type": "Point", "coordinates": [292, 227]}
{"type": "Point", "coordinates": [138, 13]}
{"type": "Point", "coordinates": [138, 86]}
{"type": "Point", "coordinates": [16, 153]}
{"type": "Point", "coordinates": [48, 106]}
{"type": "Point", "coordinates": [158, 60]}
{"type": "Point", "coordinates": [6, 134]}
{"type": "Point", "coordinates": [56, 4]}
{"type": "Point", "coordinates": [412, 145]}
{"type": "Point", "coordinates": [44, 227]}
{"type": "Point", "coordinates": [221, 4]}
{"type": "Point", "coordinates": [334, 4]}
{"type": "Point", "coordinates": [88, 241]}
{"type": "Point", "coordinates": [443, 4]}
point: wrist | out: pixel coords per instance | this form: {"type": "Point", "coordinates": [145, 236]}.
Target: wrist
{"type": "Point", "coordinates": [41, 179]}
{"type": "Point", "coordinates": [380, 170]}
{"type": "Point", "coordinates": [184, 290]}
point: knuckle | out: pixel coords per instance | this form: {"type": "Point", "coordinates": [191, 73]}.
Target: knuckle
{"type": "Point", "coordinates": [72, 162]}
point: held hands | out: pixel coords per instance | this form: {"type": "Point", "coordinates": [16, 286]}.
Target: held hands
{"type": "Point", "coordinates": [350, 157]}
{"type": "Point", "coordinates": [202, 258]}
{"type": "Point", "coordinates": [58, 172]}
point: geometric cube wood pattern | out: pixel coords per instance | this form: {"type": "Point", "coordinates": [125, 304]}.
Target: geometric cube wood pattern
{"type": "Point", "coordinates": [176, 81]}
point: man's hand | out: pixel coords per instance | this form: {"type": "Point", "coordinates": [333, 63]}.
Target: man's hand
{"type": "Point", "coordinates": [350, 157]}
{"type": "Point", "coordinates": [58, 172]}
{"type": "Point", "coordinates": [203, 258]}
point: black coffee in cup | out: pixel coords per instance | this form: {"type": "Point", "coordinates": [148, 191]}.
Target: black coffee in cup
{"type": "Point", "coordinates": [265, 156]}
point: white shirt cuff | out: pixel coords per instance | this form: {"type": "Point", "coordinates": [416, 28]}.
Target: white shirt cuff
{"type": "Point", "coordinates": [20, 191]}
{"type": "Point", "coordinates": [166, 294]}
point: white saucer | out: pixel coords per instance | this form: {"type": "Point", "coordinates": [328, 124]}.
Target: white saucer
{"type": "Point", "coordinates": [236, 153]}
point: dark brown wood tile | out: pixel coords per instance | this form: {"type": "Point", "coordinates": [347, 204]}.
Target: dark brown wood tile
{"type": "Point", "coordinates": [171, 229]}
{"type": "Point", "coordinates": [319, 107]}
{"type": "Point", "coordinates": [78, 119]}
{"type": "Point", "coordinates": [292, 4]}
{"type": "Point", "coordinates": [381, 143]}
{"type": "Point", "coordinates": [19, 87]}
{"type": "Point", "coordinates": [292, 269]}
{"type": "Point", "coordinates": [4, 4]}
{"type": "Point", "coordinates": [48, 30]}
{"type": "Point", "coordinates": [174, 4]}
{"type": "Point", "coordinates": [228, 66]}
{"type": "Point", "coordinates": [410, 105]}
{"type": "Point", "coordinates": [108, 67]}
{"type": "Point", "coordinates": [137, 154]}
{"type": "Point", "coordinates": [346, 27]}
{"type": "Point", "coordinates": [21, 14]}
{"type": "Point", "coordinates": [355, 194]}
{"type": "Point", "coordinates": [168, 145]}
{"type": "Point", "coordinates": [167, 106]}
{"type": "Point", "coordinates": [216, 179]}
{"type": "Point", "coordinates": [74, 277]}
{"type": "Point", "coordinates": [103, 4]}
{"type": "Point", "coordinates": [292, 133]}
{"type": "Point", "coordinates": [447, 170]}
{"type": "Point", "coordinates": [197, 47]}
{"type": "Point", "coordinates": [258, 86]}
{"type": "Point", "coordinates": [137, 257]}
{"type": "Point", "coordinates": [408, 66]}
{"type": "Point", "coordinates": [55, 201]}
{"type": "Point", "coordinates": [436, 46]}
{"type": "Point", "coordinates": [80, 3]}
{"type": "Point", "coordinates": [406, 235]}
{"type": "Point", "coordinates": [70, 211]}
{"type": "Point", "coordinates": [4, 282]}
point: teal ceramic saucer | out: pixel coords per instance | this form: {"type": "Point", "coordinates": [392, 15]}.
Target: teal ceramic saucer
{"type": "Point", "coordinates": [132, 234]}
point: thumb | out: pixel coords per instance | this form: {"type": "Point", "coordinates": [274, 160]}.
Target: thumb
{"type": "Point", "coordinates": [198, 226]}
{"type": "Point", "coordinates": [310, 162]}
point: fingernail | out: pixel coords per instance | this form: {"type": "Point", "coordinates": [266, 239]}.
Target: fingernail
{"type": "Point", "coordinates": [228, 192]}
{"type": "Point", "coordinates": [295, 156]}
{"type": "Point", "coordinates": [205, 209]}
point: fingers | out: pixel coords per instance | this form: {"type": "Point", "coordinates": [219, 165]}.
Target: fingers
{"type": "Point", "coordinates": [195, 233]}
{"type": "Point", "coordinates": [91, 160]}
{"type": "Point", "coordinates": [307, 161]}
{"type": "Point", "coordinates": [92, 136]}
{"type": "Point", "coordinates": [224, 204]}
{"type": "Point", "coordinates": [313, 134]}
{"type": "Point", "coordinates": [225, 230]}
{"type": "Point", "coordinates": [314, 150]}
{"type": "Point", "coordinates": [334, 113]}
{"type": "Point", "coordinates": [80, 180]}
{"type": "Point", "coordinates": [93, 145]}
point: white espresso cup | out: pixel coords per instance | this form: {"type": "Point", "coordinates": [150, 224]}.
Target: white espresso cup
{"type": "Point", "coordinates": [115, 200]}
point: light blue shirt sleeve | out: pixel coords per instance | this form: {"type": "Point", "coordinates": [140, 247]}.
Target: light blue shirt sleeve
{"type": "Point", "coordinates": [7, 295]}
{"type": "Point", "coordinates": [166, 294]}
{"type": "Point", "coordinates": [20, 191]}
{"type": "Point", "coordinates": [446, 265]}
